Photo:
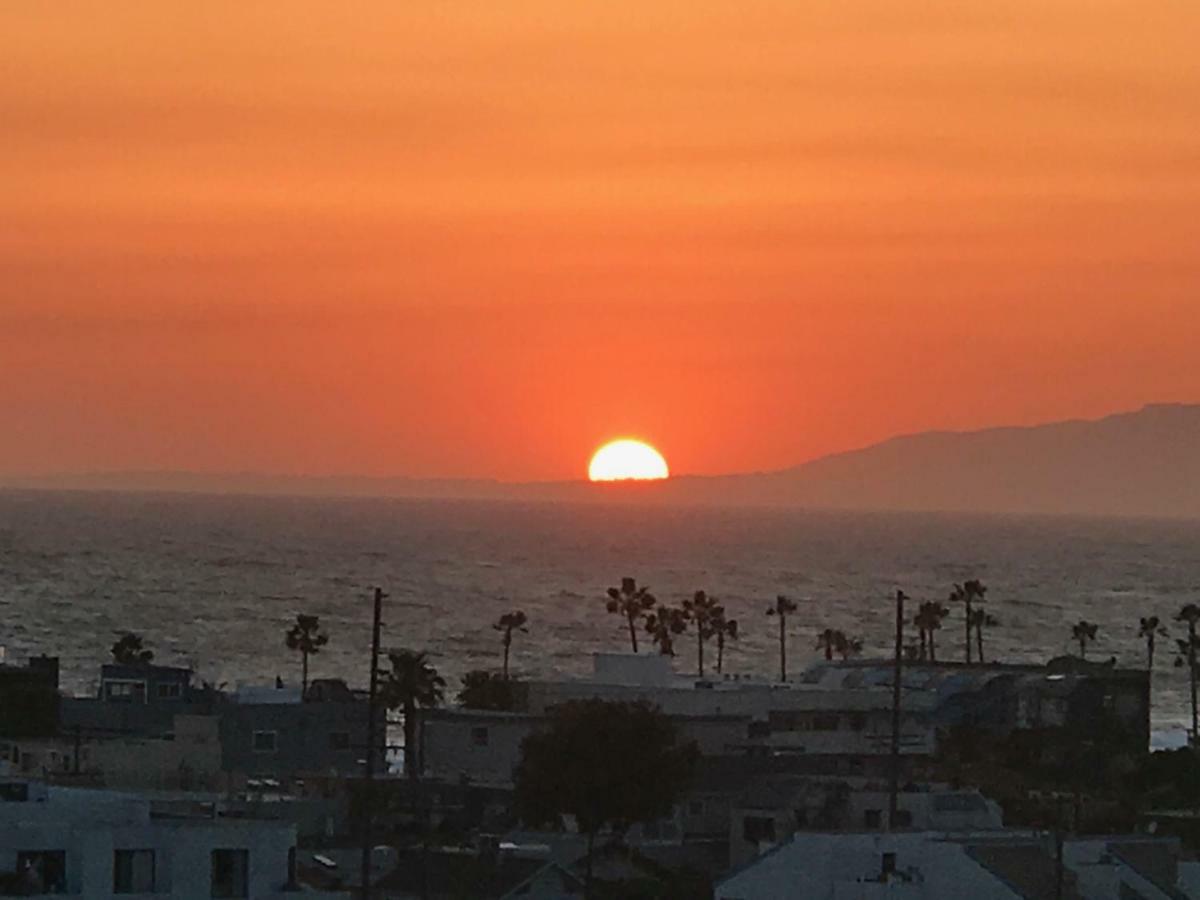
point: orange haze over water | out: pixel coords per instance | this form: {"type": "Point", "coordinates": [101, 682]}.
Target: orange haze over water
{"type": "Point", "coordinates": [479, 239]}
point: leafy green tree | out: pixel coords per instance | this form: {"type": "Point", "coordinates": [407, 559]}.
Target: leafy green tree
{"type": "Point", "coordinates": [782, 607]}
{"type": "Point", "coordinates": [633, 603]}
{"type": "Point", "coordinates": [411, 684]}
{"type": "Point", "coordinates": [488, 690]}
{"type": "Point", "coordinates": [707, 614]}
{"type": "Point", "coordinates": [1150, 628]}
{"type": "Point", "coordinates": [981, 619]}
{"type": "Point", "coordinates": [1083, 632]}
{"type": "Point", "coordinates": [968, 593]}
{"type": "Point", "coordinates": [129, 650]}
{"type": "Point", "coordinates": [305, 638]}
{"type": "Point", "coordinates": [610, 765]}
{"type": "Point", "coordinates": [507, 624]}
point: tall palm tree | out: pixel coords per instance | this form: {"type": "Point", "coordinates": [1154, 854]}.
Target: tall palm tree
{"type": "Point", "coordinates": [968, 593]}
{"type": "Point", "coordinates": [129, 650]}
{"type": "Point", "coordinates": [848, 646]}
{"type": "Point", "coordinates": [632, 602]}
{"type": "Point", "coordinates": [663, 625]}
{"type": "Point", "coordinates": [928, 619]}
{"type": "Point", "coordinates": [829, 640]}
{"type": "Point", "coordinates": [1189, 615]}
{"type": "Point", "coordinates": [1150, 628]}
{"type": "Point", "coordinates": [306, 638]}
{"type": "Point", "coordinates": [411, 684]}
{"type": "Point", "coordinates": [506, 625]}
{"type": "Point", "coordinates": [725, 629]}
{"type": "Point", "coordinates": [1084, 632]}
{"type": "Point", "coordinates": [706, 612]}
{"type": "Point", "coordinates": [782, 607]}
{"type": "Point", "coordinates": [981, 619]}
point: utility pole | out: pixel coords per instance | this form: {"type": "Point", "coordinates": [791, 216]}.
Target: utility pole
{"type": "Point", "coordinates": [368, 810]}
{"type": "Point", "coordinates": [894, 797]}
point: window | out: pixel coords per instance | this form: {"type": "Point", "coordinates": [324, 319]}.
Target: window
{"type": "Point", "coordinates": [168, 691]}
{"type": "Point", "coordinates": [14, 792]}
{"type": "Point", "coordinates": [904, 818]}
{"type": "Point", "coordinates": [264, 741]}
{"type": "Point", "coordinates": [858, 722]}
{"type": "Point", "coordinates": [42, 871]}
{"type": "Point", "coordinates": [758, 828]}
{"type": "Point", "coordinates": [873, 818]}
{"type": "Point", "coordinates": [133, 872]}
{"type": "Point", "coordinates": [230, 873]}
{"type": "Point", "coordinates": [758, 730]}
{"type": "Point", "coordinates": [479, 736]}
{"type": "Point", "coordinates": [888, 865]}
{"type": "Point", "coordinates": [125, 691]}
{"type": "Point", "coordinates": [825, 722]}
{"type": "Point", "coordinates": [339, 740]}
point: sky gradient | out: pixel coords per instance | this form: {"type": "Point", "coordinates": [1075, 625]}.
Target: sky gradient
{"type": "Point", "coordinates": [480, 239]}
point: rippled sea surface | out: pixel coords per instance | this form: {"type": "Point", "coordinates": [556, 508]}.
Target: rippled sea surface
{"type": "Point", "coordinates": [212, 582]}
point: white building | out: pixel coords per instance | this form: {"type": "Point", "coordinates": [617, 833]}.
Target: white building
{"type": "Point", "coordinates": [101, 844]}
{"type": "Point", "coordinates": [947, 866]}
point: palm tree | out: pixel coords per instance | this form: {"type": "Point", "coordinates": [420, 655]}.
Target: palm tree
{"type": "Point", "coordinates": [1083, 632]}
{"type": "Point", "coordinates": [306, 638]}
{"type": "Point", "coordinates": [128, 650]}
{"type": "Point", "coordinates": [967, 593]}
{"type": "Point", "coordinates": [929, 619]}
{"type": "Point", "coordinates": [506, 625]}
{"type": "Point", "coordinates": [1150, 628]}
{"type": "Point", "coordinates": [706, 612]}
{"type": "Point", "coordinates": [981, 619]}
{"type": "Point", "coordinates": [633, 603]}
{"type": "Point", "coordinates": [848, 646]}
{"type": "Point", "coordinates": [1189, 615]}
{"type": "Point", "coordinates": [782, 607]}
{"type": "Point", "coordinates": [829, 640]}
{"type": "Point", "coordinates": [412, 684]}
{"type": "Point", "coordinates": [725, 629]}
{"type": "Point", "coordinates": [663, 625]}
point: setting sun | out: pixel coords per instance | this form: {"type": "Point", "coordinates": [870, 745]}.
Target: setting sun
{"type": "Point", "coordinates": [625, 460]}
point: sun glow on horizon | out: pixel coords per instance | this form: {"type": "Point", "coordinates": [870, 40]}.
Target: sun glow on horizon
{"type": "Point", "coordinates": [627, 460]}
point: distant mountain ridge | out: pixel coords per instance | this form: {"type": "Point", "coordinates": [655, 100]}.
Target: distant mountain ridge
{"type": "Point", "coordinates": [1141, 463]}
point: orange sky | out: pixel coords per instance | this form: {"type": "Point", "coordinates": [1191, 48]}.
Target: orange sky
{"type": "Point", "coordinates": [477, 239]}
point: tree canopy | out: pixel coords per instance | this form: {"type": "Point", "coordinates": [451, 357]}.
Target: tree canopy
{"type": "Point", "coordinates": [608, 764]}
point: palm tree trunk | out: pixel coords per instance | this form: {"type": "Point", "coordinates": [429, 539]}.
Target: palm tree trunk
{"type": "Point", "coordinates": [828, 650]}
{"type": "Point", "coordinates": [979, 642]}
{"type": "Point", "coordinates": [632, 633]}
{"type": "Point", "coordinates": [968, 632]}
{"type": "Point", "coordinates": [304, 675]}
{"type": "Point", "coordinates": [1082, 649]}
{"type": "Point", "coordinates": [720, 650]}
{"type": "Point", "coordinates": [1150, 653]}
{"type": "Point", "coordinates": [507, 641]}
{"type": "Point", "coordinates": [923, 645]}
{"type": "Point", "coordinates": [932, 651]}
{"type": "Point", "coordinates": [410, 740]}
{"type": "Point", "coordinates": [1192, 671]}
{"type": "Point", "coordinates": [783, 649]}
{"type": "Point", "coordinates": [700, 649]}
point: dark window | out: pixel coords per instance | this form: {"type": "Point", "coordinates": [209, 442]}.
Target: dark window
{"type": "Point", "coordinates": [264, 741]}
{"type": "Point", "coordinates": [858, 722]}
{"type": "Point", "coordinates": [903, 818]}
{"type": "Point", "coordinates": [758, 729]}
{"type": "Point", "coordinates": [125, 691]}
{"type": "Point", "coordinates": [230, 874]}
{"type": "Point", "coordinates": [889, 864]}
{"type": "Point", "coordinates": [479, 736]}
{"type": "Point", "coordinates": [339, 740]}
{"type": "Point", "coordinates": [291, 867]}
{"type": "Point", "coordinates": [168, 691]}
{"type": "Point", "coordinates": [133, 872]}
{"type": "Point", "coordinates": [825, 723]}
{"type": "Point", "coordinates": [873, 818]}
{"type": "Point", "coordinates": [801, 817]}
{"type": "Point", "coordinates": [42, 871]}
{"type": "Point", "coordinates": [758, 828]}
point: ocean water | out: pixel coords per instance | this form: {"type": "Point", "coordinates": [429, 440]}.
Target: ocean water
{"type": "Point", "coordinates": [212, 582]}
